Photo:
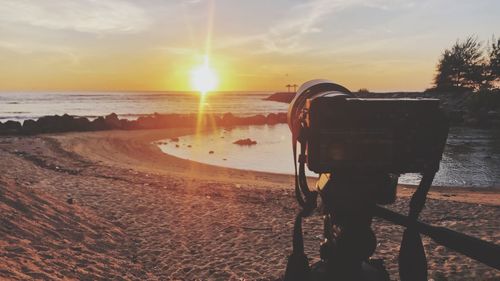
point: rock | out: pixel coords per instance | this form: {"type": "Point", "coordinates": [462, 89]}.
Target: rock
{"type": "Point", "coordinates": [245, 142]}
{"type": "Point", "coordinates": [272, 119]}
{"type": "Point", "coordinates": [112, 121]}
{"type": "Point", "coordinates": [228, 119]}
{"type": "Point", "coordinates": [82, 124]}
{"type": "Point", "coordinates": [98, 124]}
{"type": "Point", "coordinates": [211, 152]}
{"type": "Point", "coordinates": [12, 127]}
{"type": "Point", "coordinates": [44, 124]}
{"type": "Point", "coordinates": [56, 123]}
{"type": "Point", "coordinates": [285, 97]}
{"type": "Point", "coordinates": [67, 123]}
{"type": "Point", "coordinates": [255, 120]}
{"type": "Point", "coordinates": [30, 127]}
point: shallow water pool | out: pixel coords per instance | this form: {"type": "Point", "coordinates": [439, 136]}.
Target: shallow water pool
{"type": "Point", "coordinates": [471, 158]}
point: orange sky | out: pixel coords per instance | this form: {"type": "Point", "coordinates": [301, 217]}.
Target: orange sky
{"type": "Point", "coordinates": [382, 45]}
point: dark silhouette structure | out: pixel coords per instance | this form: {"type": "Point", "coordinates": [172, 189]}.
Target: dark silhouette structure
{"type": "Point", "coordinates": [360, 147]}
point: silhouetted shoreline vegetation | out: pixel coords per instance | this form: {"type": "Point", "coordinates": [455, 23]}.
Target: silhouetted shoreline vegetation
{"type": "Point", "coordinates": [467, 82]}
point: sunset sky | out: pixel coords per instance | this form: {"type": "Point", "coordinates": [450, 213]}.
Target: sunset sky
{"type": "Point", "coordinates": [382, 45]}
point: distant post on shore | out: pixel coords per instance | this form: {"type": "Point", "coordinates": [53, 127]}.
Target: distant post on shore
{"type": "Point", "coordinates": [288, 86]}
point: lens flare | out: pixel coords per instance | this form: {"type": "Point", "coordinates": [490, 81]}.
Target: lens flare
{"type": "Point", "coordinates": [204, 78]}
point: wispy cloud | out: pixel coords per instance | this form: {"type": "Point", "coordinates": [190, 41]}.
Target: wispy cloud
{"type": "Point", "coordinates": [65, 53]}
{"type": "Point", "coordinates": [90, 16]}
{"type": "Point", "coordinates": [289, 35]}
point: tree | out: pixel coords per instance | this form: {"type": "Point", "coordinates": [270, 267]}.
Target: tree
{"type": "Point", "coordinates": [494, 63]}
{"type": "Point", "coordinates": [462, 66]}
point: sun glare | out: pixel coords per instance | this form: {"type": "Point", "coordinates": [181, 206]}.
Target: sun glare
{"type": "Point", "coordinates": [204, 78]}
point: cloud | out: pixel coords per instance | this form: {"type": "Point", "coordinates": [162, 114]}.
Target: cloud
{"type": "Point", "coordinates": [49, 51]}
{"type": "Point", "coordinates": [289, 35]}
{"type": "Point", "coordinates": [177, 50]}
{"type": "Point", "coordinates": [89, 16]}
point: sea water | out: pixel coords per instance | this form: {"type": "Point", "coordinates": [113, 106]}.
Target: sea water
{"type": "Point", "coordinates": [20, 106]}
{"type": "Point", "coordinates": [471, 157]}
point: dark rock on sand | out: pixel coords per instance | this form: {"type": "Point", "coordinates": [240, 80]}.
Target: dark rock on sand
{"type": "Point", "coordinates": [285, 97]}
{"type": "Point", "coordinates": [82, 124]}
{"type": "Point", "coordinates": [10, 127]}
{"type": "Point", "coordinates": [112, 121]}
{"type": "Point", "coordinates": [67, 123]}
{"type": "Point", "coordinates": [30, 127]}
{"type": "Point", "coordinates": [55, 123]}
{"type": "Point", "coordinates": [245, 142]}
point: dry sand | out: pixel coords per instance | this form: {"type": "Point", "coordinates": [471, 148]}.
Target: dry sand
{"type": "Point", "coordinates": [138, 214]}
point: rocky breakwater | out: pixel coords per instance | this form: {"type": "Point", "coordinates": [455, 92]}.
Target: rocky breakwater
{"type": "Point", "coordinates": [285, 97]}
{"type": "Point", "coordinates": [67, 123]}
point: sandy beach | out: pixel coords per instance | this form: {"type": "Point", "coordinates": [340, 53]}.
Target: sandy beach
{"type": "Point", "coordinates": [110, 205]}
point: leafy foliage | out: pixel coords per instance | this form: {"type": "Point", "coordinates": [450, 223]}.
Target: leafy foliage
{"type": "Point", "coordinates": [494, 62]}
{"type": "Point", "coordinates": [462, 66]}
{"type": "Point", "coordinates": [484, 101]}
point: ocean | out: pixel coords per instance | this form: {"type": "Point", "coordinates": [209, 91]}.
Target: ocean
{"type": "Point", "coordinates": [471, 158]}
{"type": "Point", "coordinates": [20, 106]}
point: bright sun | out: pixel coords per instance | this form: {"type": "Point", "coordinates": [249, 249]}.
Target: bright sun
{"type": "Point", "coordinates": [204, 78]}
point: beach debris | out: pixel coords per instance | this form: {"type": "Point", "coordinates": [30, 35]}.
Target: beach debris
{"type": "Point", "coordinates": [211, 152]}
{"type": "Point", "coordinates": [189, 146]}
{"type": "Point", "coordinates": [246, 141]}
{"type": "Point", "coordinates": [70, 200]}
{"type": "Point", "coordinates": [176, 145]}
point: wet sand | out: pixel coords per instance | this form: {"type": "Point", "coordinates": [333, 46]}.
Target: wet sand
{"type": "Point", "coordinates": [139, 214]}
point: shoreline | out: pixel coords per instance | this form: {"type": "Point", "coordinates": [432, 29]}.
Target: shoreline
{"type": "Point", "coordinates": [186, 220]}
{"type": "Point", "coordinates": [148, 137]}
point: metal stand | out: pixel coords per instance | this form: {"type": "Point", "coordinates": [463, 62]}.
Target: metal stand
{"type": "Point", "coordinates": [348, 204]}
